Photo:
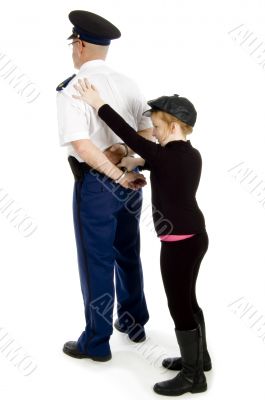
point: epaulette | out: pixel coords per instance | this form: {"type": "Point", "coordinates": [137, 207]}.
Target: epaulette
{"type": "Point", "coordinates": [64, 83]}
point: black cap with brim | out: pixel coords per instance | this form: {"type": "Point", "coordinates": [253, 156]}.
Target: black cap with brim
{"type": "Point", "coordinates": [92, 28]}
{"type": "Point", "coordinates": [179, 107]}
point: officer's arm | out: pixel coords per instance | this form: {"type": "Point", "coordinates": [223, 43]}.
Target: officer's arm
{"type": "Point", "coordinates": [95, 158]}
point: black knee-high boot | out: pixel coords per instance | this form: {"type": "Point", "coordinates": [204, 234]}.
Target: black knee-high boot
{"type": "Point", "coordinates": [175, 364]}
{"type": "Point", "coordinates": [191, 378]}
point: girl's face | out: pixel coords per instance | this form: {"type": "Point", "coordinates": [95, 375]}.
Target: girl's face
{"type": "Point", "coordinates": [160, 128]}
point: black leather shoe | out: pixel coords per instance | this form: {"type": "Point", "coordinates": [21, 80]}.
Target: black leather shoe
{"type": "Point", "coordinates": [191, 378]}
{"type": "Point", "coordinates": [136, 334]}
{"type": "Point", "coordinates": [70, 348]}
{"type": "Point", "coordinates": [175, 363]}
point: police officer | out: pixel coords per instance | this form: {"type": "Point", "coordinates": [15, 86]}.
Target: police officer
{"type": "Point", "coordinates": [106, 200]}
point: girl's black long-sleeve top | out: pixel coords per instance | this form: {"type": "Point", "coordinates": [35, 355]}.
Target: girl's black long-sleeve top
{"type": "Point", "coordinates": [175, 171]}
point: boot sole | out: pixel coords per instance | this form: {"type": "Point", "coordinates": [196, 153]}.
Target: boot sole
{"type": "Point", "coordinates": [196, 389]}
{"type": "Point", "coordinates": [117, 327]}
{"type": "Point", "coordinates": [199, 388]}
{"type": "Point", "coordinates": [94, 358]}
{"type": "Point", "coordinates": [135, 340]}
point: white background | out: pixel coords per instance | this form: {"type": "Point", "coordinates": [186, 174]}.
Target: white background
{"type": "Point", "coordinates": [168, 47]}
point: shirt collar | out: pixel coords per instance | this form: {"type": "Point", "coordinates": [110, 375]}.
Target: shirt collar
{"type": "Point", "coordinates": [178, 142]}
{"type": "Point", "coordinates": [91, 64]}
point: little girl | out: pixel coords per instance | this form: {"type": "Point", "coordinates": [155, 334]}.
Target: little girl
{"type": "Point", "coordinates": [175, 170]}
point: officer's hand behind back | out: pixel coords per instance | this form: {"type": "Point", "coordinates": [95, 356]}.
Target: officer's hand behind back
{"type": "Point", "coordinates": [133, 180]}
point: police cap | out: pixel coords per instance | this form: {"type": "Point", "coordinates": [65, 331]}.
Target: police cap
{"type": "Point", "coordinates": [92, 28]}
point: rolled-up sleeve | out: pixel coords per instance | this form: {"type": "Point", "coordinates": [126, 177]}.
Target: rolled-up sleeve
{"type": "Point", "coordinates": [73, 119]}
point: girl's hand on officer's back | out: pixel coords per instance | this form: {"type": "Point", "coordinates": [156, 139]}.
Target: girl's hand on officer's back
{"type": "Point", "coordinates": [88, 93]}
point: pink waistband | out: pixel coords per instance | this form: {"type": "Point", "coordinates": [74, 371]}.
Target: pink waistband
{"type": "Point", "coordinates": [173, 238]}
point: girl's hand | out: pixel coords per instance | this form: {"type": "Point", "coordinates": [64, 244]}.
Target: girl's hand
{"type": "Point", "coordinates": [88, 93]}
{"type": "Point", "coordinates": [129, 162]}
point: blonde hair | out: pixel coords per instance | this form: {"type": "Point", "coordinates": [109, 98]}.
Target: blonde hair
{"type": "Point", "coordinates": [169, 119]}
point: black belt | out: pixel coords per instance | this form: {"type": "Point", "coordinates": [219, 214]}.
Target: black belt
{"type": "Point", "coordinates": [78, 168]}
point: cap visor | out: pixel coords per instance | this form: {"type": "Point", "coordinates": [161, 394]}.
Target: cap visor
{"type": "Point", "coordinates": [147, 113]}
{"type": "Point", "coordinates": [71, 36]}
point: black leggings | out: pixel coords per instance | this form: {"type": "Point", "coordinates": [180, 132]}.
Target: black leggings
{"type": "Point", "coordinates": [180, 263]}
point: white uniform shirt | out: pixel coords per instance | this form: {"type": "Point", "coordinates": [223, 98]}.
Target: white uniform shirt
{"type": "Point", "coordinates": [77, 120]}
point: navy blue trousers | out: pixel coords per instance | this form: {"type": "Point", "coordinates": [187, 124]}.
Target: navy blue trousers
{"type": "Point", "coordinates": [106, 221]}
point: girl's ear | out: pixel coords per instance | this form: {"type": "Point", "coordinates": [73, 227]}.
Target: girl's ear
{"type": "Point", "coordinates": [173, 127]}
